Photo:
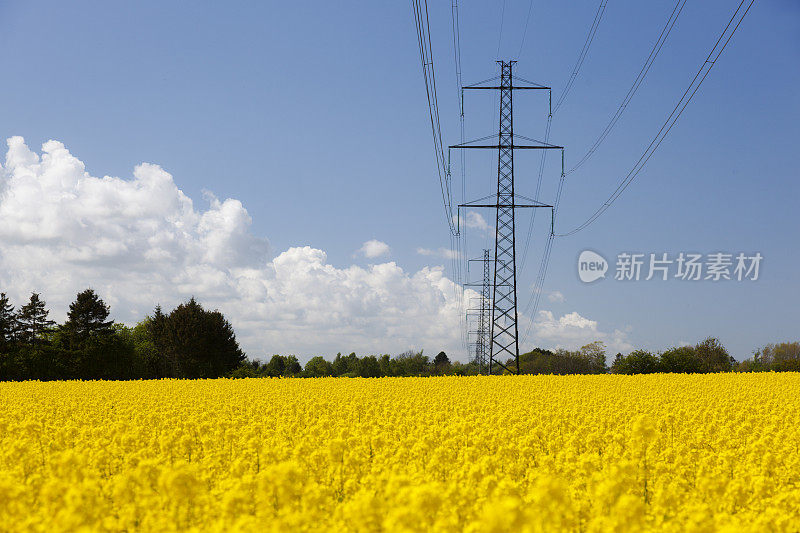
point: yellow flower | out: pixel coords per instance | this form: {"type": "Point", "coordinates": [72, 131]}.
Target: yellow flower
{"type": "Point", "coordinates": [530, 453]}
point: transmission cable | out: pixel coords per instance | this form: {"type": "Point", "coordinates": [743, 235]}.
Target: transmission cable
{"type": "Point", "coordinates": [502, 18]}
{"type": "Point", "coordinates": [573, 76]}
{"type": "Point", "coordinates": [460, 247]}
{"type": "Point", "coordinates": [724, 38]}
{"type": "Point", "coordinates": [428, 73]}
{"type": "Point", "coordinates": [665, 31]}
{"type": "Point", "coordinates": [525, 31]}
{"type": "Point", "coordinates": [690, 91]}
{"type": "Point", "coordinates": [582, 55]}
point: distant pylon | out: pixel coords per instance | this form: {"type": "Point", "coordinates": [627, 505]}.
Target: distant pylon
{"type": "Point", "coordinates": [482, 314]}
{"type": "Point", "coordinates": [483, 326]}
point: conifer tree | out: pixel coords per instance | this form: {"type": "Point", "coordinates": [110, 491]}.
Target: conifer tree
{"type": "Point", "coordinates": [156, 329]}
{"type": "Point", "coordinates": [33, 321]}
{"type": "Point", "coordinates": [8, 323]}
{"type": "Point", "coordinates": [200, 343]}
{"type": "Point", "coordinates": [87, 318]}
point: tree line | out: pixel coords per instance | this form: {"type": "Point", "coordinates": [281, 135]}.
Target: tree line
{"type": "Point", "coordinates": [709, 356]}
{"type": "Point", "coordinates": [409, 363]}
{"type": "Point", "coordinates": [188, 342]}
{"type": "Point", "coordinates": [706, 356]}
{"type": "Point", "coordinates": [193, 342]}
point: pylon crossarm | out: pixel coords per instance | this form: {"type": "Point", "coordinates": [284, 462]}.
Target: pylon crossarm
{"type": "Point", "coordinates": [514, 88]}
{"type": "Point", "coordinates": [515, 206]}
{"type": "Point", "coordinates": [507, 146]}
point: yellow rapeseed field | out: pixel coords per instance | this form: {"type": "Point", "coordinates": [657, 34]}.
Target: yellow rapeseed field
{"type": "Point", "coordinates": [534, 453]}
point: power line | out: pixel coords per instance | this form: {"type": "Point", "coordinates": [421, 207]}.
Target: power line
{"type": "Point", "coordinates": [582, 55]}
{"type": "Point", "coordinates": [460, 250]}
{"type": "Point", "coordinates": [538, 190]}
{"type": "Point", "coordinates": [502, 18]}
{"type": "Point", "coordinates": [665, 31]}
{"type": "Point", "coordinates": [673, 117]}
{"type": "Point", "coordinates": [525, 31]}
{"type": "Point", "coordinates": [542, 273]}
{"type": "Point", "coordinates": [538, 286]}
{"type": "Point", "coordinates": [428, 73]}
{"type": "Point", "coordinates": [568, 86]}
{"type": "Point", "coordinates": [709, 63]}
{"type": "Point", "coordinates": [422, 22]}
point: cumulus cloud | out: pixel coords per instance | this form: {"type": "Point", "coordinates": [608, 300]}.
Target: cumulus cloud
{"type": "Point", "coordinates": [473, 219]}
{"type": "Point", "coordinates": [373, 248]}
{"type": "Point", "coordinates": [142, 241]}
{"type": "Point", "coordinates": [571, 331]}
{"type": "Point", "coordinates": [445, 253]}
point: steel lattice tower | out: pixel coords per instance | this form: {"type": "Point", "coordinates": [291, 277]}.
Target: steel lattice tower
{"type": "Point", "coordinates": [482, 313]}
{"type": "Point", "coordinates": [483, 325]}
{"type": "Point", "coordinates": [504, 332]}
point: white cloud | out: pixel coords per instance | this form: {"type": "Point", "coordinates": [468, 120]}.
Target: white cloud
{"type": "Point", "coordinates": [142, 241]}
{"type": "Point", "coordinates": [473, 219]}
{"type": "Point", "coordinates": [476, 220]}
{"type": "Point", "coordinates": [445, 253]}
{"type": "Point", "coordinates": [373, 248]}
{"type": "Point", "coordinates": [571, 331]}
{"type": "Point", "coordinates": [556, 297]}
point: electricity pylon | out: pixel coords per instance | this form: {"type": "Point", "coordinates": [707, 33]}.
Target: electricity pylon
{"type": "Point", "coordinates": [504, 336]}
{"type": "Point", "coordinates": [481, 343]}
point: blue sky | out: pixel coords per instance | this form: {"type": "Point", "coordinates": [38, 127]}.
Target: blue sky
{"type": "Point", "coordinates": [313, 116]}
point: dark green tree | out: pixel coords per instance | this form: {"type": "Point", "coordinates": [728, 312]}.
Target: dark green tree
{"type": "Point", "coordinates": [276, 366]}
{"type": "Point", "coordinates": [441, 363]}
{"type": "Point", "coordinates": [8, 324]}
{"type": "Point", "coordinates": [199, 343]}
{"type": "Point", "coordinates": [537, 361]}
{"type": "Point", "coordinates": [714, 356]}
{"type": "Point", "coordinates": [248, 369]}
{"type": "Point", "coordinates": [318, 367]}
{"type": "Point", "coordinates": [468, 369]}
{"type": "Point", "coordinates": [144, 348]}
{"type": "Point", "coordinates": [413, 363]}
{"type": "Point", "coordinates": [292, 366]}
{"type": "Point", "coordinates": [636, 362]}
{"type": "Point", "coordinates": [33, 321]}
{"type": "Point", "coordinates": [385, 363]}
{"type": "Point", "coordinates": [369, 367]}
{"type": "Point", "coordinates": [145, 360]}
{"type": "Point", "coordinates": [93, 347]}
{"type": "Point", "coordinates": [157, 332]}
{"type": "Point", "coordinates": [681, 360]}
{"type": "Point", "coordinates": [87, 317]}
{"type": "Point", "coordinates": [346, 365]}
